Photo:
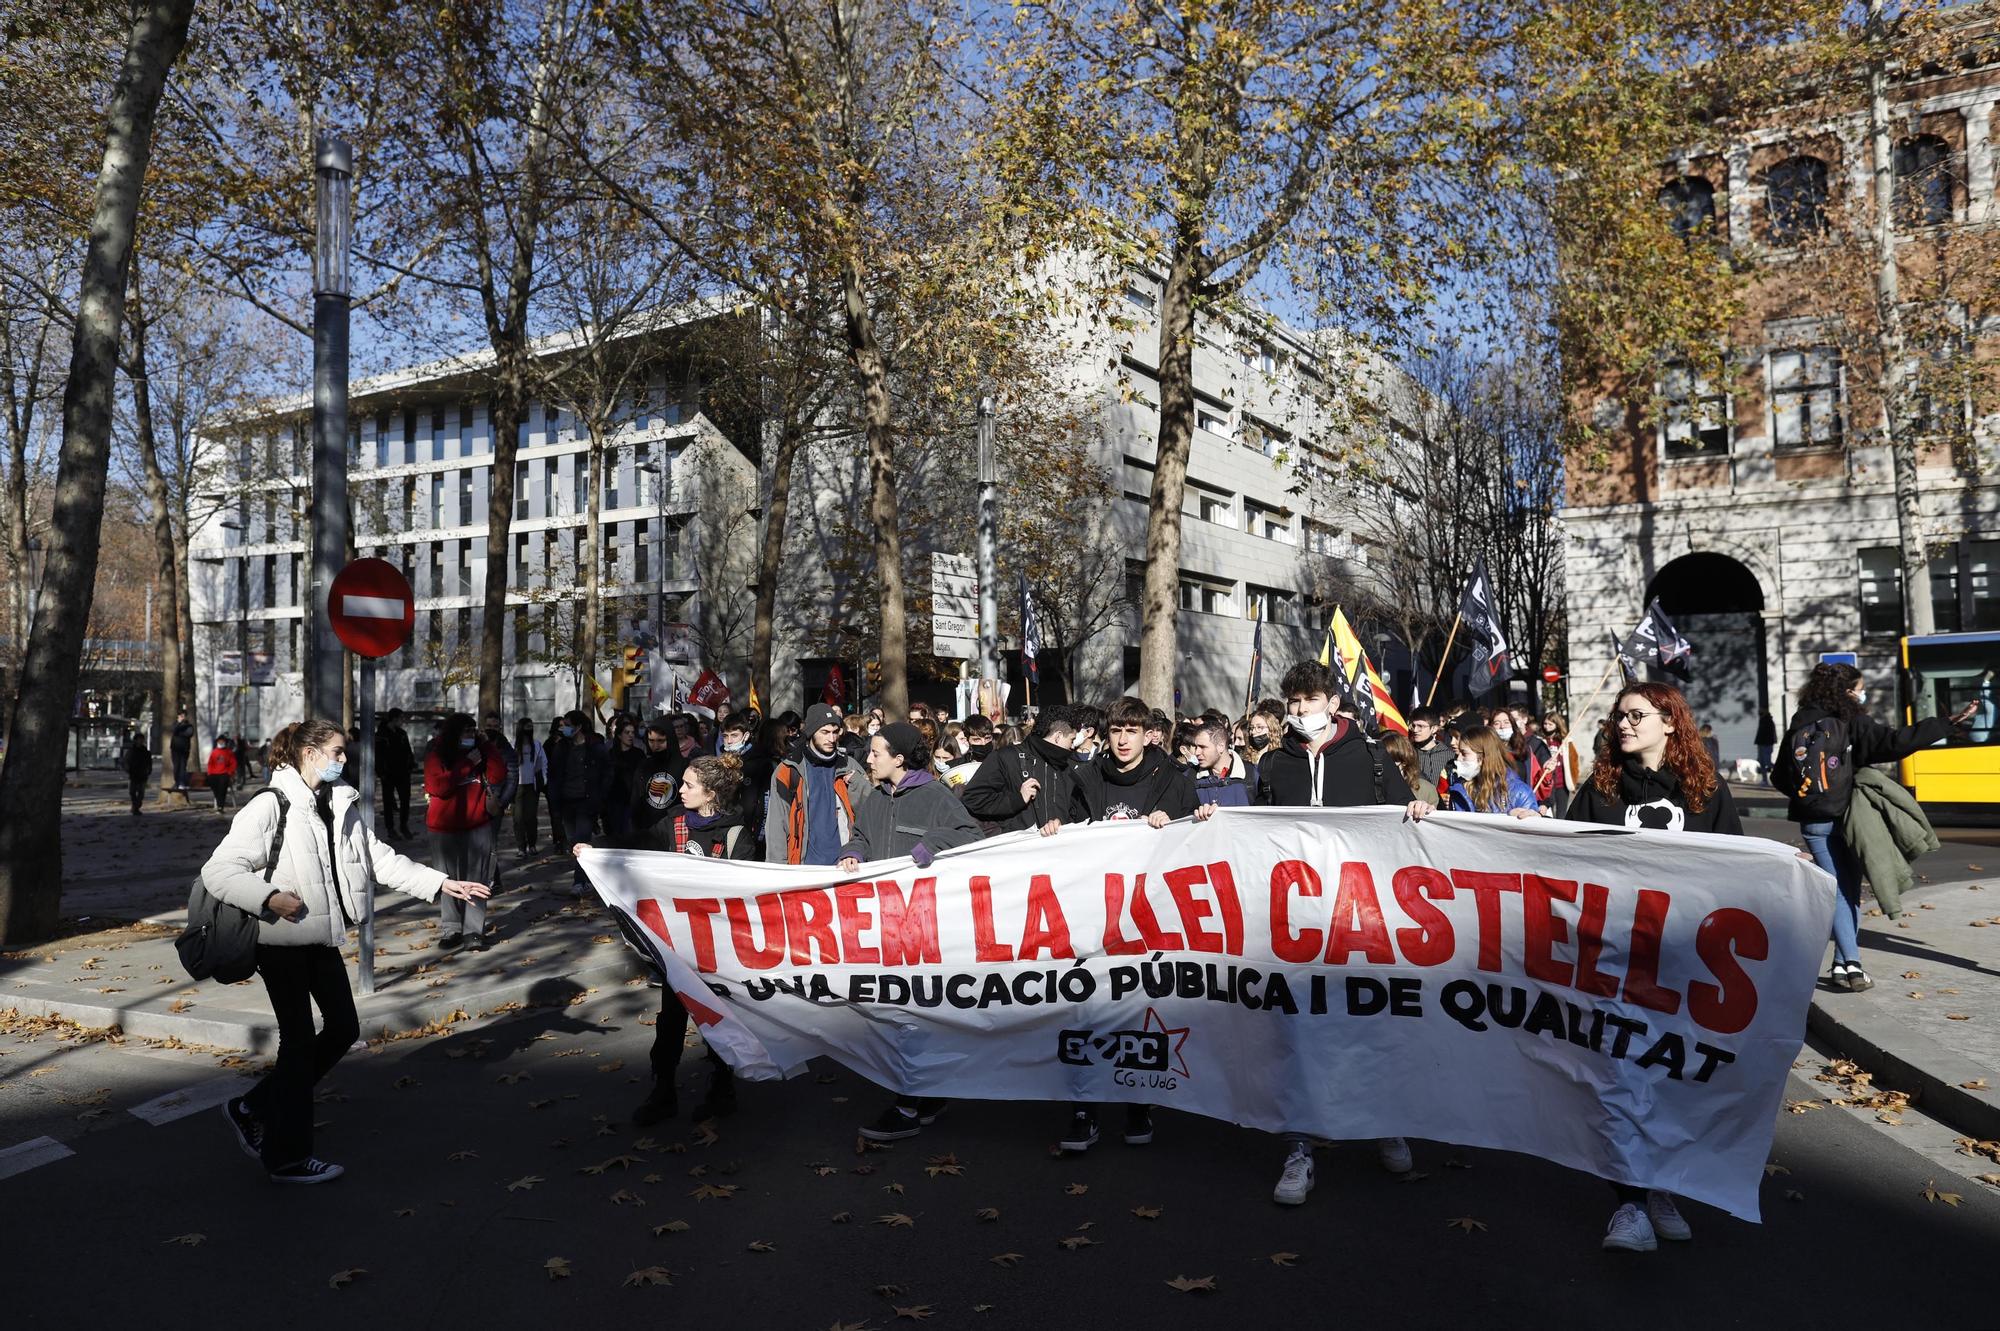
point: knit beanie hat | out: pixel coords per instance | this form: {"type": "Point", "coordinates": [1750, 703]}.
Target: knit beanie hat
{"type": "Point", "coordinates": [906, 742]}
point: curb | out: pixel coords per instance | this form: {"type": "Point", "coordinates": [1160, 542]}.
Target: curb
{"type": "Point", "coordinates": [1913, 1062]}
{"type": "Point", "coordinates": [380, 1013]}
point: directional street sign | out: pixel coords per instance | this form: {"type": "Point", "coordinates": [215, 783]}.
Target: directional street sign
{"type": "Point", "coordinates": [954, 606]}
{"type": "Point", "coordinates": [371, 608]}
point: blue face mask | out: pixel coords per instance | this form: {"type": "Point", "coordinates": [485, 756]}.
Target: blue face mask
{"type": "Point", "coordinates": [569, 732]}
{"type": "Point", "coordinates": [468, 741]}
{"type": "Point", "coordinates": [331, 772]}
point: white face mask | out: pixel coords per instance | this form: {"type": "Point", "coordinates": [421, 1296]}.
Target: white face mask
{"type": "Point", "coordinates": [1467, 768]}
{"type": "Point", "coordinates": [1310, 723]}
{"type": "Point", "coordinates": [1504, 732]}
{"type": "Point", "coordinates": [1861, 697]}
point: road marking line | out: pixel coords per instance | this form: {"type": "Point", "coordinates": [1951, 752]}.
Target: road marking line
{"type": "Point", "coordinates": [41, 1151]}
{"type": "Point", "coordinates": [188, 1100]}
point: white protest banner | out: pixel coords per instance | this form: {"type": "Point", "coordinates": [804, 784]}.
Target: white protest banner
{"type": "Point", "coordinates": [1626, 1003]}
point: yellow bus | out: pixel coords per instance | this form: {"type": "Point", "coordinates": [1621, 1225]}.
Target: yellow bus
{"type": "Point", "coordinates": [1942, 672]}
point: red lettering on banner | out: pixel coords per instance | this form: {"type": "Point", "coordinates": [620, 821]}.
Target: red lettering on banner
{"type": "Point", "coordinates": [1430, 943]}
{"type": "Point", "coordinates": [1590, 942]}
{"type": "Point", "coordinates": [1486, 889]}
{"type": "Point", "coordinates": [850, 902]}
{"type": "Point", "coordinates": [1355, 901]}
{"type": "Point", "coordinates": [1224, 884]}
{"type": "Point", "coordinates": [1116, 944]}
{"type": "Point", "coordinates": [984, 946]}
{"type": "Point", "coordinates": [1150, 932]}
{"type": "Point", "coordinates": [1649, 922]}
{"type": "Point", "coordinates": [909, 925]}
{"type": "Point", "coordinates": [1046, 929]}
{"type": "Point", "coordinates": [650, 916]}
{"type": "Point", "coordinates": [1542, 930]}
{"type": "Point", "coordinates": [808, 925]}
{"type": "Point", "coordinates": [1287, 875]}
{"type": "Point", "coordinates": [1725, 935]}
{"type": "Point", "coordinates": [701, 913]}
{"type": "Point", "coordinates": [771, 912]}
{"type": "Point", "coordinates": [1180, 883]}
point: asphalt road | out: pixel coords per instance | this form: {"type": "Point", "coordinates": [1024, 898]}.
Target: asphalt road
{"type": "Point", "coordinates": [464, 1186]}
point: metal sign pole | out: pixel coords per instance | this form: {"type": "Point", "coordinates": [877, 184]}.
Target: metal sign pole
{"type": "Point", "coordinates": [364, 773]}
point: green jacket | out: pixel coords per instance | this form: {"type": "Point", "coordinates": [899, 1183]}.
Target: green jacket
{"type": "Point", "coordinates": [1885, 827]}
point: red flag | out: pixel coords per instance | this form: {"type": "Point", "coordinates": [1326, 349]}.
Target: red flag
{"type": "Point", "coordinates": [709, 691]}
{"type": "Point", "coordinates": [835, 692]}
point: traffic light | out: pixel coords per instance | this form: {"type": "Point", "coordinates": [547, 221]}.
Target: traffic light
{"type": "Point", "coordinates": [871, 675]}
{"type": "Point", "coordinates": [632, 663]}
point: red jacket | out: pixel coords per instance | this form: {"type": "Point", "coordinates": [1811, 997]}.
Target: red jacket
{"type": "Point", "coordinates": [221, 762]}
{"type": "Point", "coordinates": [458, 788]}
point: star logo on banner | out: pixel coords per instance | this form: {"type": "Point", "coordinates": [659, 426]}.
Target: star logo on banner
{"type": "Point", "coordinates": [1177, 1034]}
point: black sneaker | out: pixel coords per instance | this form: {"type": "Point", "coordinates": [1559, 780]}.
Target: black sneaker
{"type": "Point", "coordinates": [1857, 979]}
{"type": "Point", "coordinates": [477, 943]}
{"type": "Point", "coordinates": [720, 1101]}
{"type": "Point", "coordinates": [1138, 1126]}
{"type": "Point", "coordinates": [1082, 1134]}
{"type": "Point", "coordinates": [451, 942]}
{"type": "Point", "coordinates": [895, 1125]}
{"type": "Point", "coordinates": [309, 1170]}
{"type": "Point", "coordinates": [249, 1132]}
{"type": "Point", "coordinates": [663, 1103]}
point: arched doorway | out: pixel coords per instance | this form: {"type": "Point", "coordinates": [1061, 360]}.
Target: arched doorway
{"type": "Point", "coordinates": [1718, 606]}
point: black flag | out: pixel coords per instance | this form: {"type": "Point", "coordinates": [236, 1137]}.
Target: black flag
{"type": "Point", "coordinates": [1482, 622]}
{"type": "Point", "coordinates": [1658, 644]}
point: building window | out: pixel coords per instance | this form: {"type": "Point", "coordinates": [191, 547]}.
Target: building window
{"type": "Point", "coordinates": [1208, 598]}
{"type": "Point", "coordinates": [1269, 605]}
{"type": "Point", "coordinates": [1214, 422]}
{"type": "Point", "coordinates": [1881, 592]}
{"type": "Point", "coordinates": [1882, 589]}
{"type": "Point", "coordinates": [609, 461]}
{"type": "Point", "coordinates": [1138, 295]}
{"type": "Point", "coordinates": [1923, 181]}
{"type": "Point", "coordinates": [1805, 397]}
{"type": "Point", "coordinates": [1213, 509]}
{"type": "Point", "coordinates": [520, 489]}
{"type": "Point", "coordinates": [1795, 200]}
{"type": "Point", "coordinates": [1269, 523]}
{"type": "Point", "coordinates": [1696, 421]}
{"type": "Point", "coordinates": [1690, 205]}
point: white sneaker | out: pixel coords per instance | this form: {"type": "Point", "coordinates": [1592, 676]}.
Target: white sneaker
{"type": "Point", "coordinates": [1666, 1217]}
{"type": "Point", "coordinates": [1394, 1153]}
{"type": "Point", "coordinates": [1630, 1230]}
{"type": "Point", "coordinates": [1297, 1180]}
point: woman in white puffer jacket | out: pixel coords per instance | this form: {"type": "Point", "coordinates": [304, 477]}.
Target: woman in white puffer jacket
{"type": "Point", "coordinates": [305, 898]}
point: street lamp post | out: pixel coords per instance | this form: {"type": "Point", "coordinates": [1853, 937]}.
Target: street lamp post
{"type": "Point", "coordinates": [659, 472]}
{"type": "Point", "coordinates": [242, 529]}
{"type": "Point", "coordinates": [333, 169]}
{"type": "Point", "coordinates": [989, 568]}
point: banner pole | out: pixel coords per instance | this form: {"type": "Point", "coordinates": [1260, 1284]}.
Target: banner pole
{"type": "Point", "coordinates": [1444, 658]}
{"type": "Point", "coordinates": [364, 725]}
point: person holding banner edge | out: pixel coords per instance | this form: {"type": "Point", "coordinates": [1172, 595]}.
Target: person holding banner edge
{"type": "Point", "coordinates": [1325, 761]}
{"type": "Point", "coordinates": [1660, 778]}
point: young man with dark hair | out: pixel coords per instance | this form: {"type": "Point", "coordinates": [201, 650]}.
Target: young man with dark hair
{"type": "Point", "coordinates": [1029, 784]}
{"type": "Point", "coordinates": [1220, 777]}
{"type": "Point", "coordinates": [394, 763]}
{"type": "Point", "coordinates": [978, 737]}
{"type": "Point", "coordinates": [814, 795]}
{"type": "Point", "coordinates": [1089, 730]}
{"type": "Point", "coordinates": [1433, 749]}
{"type": "Point", "coordinates": [1129, 780]}
{"type": "Point", "coordinates": [1325, 762]}
{"type": "Point", "coordinates": [1159, 726]}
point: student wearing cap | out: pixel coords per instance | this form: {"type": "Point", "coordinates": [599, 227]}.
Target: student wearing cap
{"type": "Point", "coordinates": [815, 792]}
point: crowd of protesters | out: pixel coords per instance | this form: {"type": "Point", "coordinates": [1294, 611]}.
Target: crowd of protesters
{"type": "Point", "coordinates": [842, 790]}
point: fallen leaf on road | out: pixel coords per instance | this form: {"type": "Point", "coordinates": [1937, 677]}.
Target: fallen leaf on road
{"type": "Point", "coordinates": [1956, 1016]}
{"type": "Point", "coordinates": [1075, 1241]}
{"type": "Point", "coordinates": [763, 1245]}
{"type": "Point", "coordinates": [848, 1326]}
{"type": "Point", "coordinates": [1191, 1285]}
{"type": "Point", "coordinates": [509, 1078]}
{"type": "Point", "coordinates": [613, 1066]}
{"type": "Point", "coordinates": [1993, 1179]}
{"type": "Point", "coordinates": [1773, 1167]}
{"type": "Point", "coordinates": [943, 1164]}
{"type": "Point", "coordinates": [649, 1275]}
{"type": "Point", "coordinates": [1916, 993]}
{"type": "Point", "coordinates": [626, 1197]}
{"type": "Point", "coordinates": [1466, 1223]}
{"type": "Point", "coordinates": [1794, 1195]}
{"type": "Point", "coordinates": [841, 1217]}
{"type": "Point", "coordinates": [405, 1212]}
{"type": "Point", "coordinates": [463, 1155]}
{"type": "Point", "coordinates": [1976, 1084]}
{"type": "Point", "coordinates": [619, 1161]}
{"type": "Point", "coordinates": [721, 1192]}
{"type": "Point", "coordinates": [557, 1267]}
{"type": "Point", "coordinates": [824, 1170]}
{"type": "Point", "coordinates": [915, 1314]}
{"type": "Point", "coordinates": [1284, 1259]}
{"type": "Point", "coordinates": [1006, 1258]}
{"type": "Point", "coordinates": [187, 1240]}
{"type": "Point", "coordinates": [405, 1083]}
{"type": "Point", "coordinates": [699, 1171]}
{"type": "Point", "coordinates": [987, 1213]}
{"type": "Point", "coordinates": [889, 1291]}
{"type": "Point", "coordinates": [1801, 1106]}
{"type": "Point", "coordinates": [896, 1188]}
{"type": "Point", "coordinates": [1931, 1194]}
{"type": "Point", "coordinates": [1077, 1189]}
{"type": "Point", "coordinates": [540, 1104]}
{"type": "Point", "coordinates": [895, 1220]}
{"type": "Point", "coordinates": [1912, 975]}
{"type": "Point", "coordinates": [672, 1227]}
{"type": "Point", "coordinates": [339, 1278]}
{"type": "Point", "coordinates": [525, 1182]}
{"type": "Point", "coordinates": [1147, 1212]}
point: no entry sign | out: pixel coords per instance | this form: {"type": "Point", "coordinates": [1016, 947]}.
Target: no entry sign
{"type": "Point", "coordinates": [371, 608]}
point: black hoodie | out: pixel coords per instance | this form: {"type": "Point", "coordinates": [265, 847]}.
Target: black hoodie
{"type": "Point", "coordinates": [1349, 769]}
{"type": "Point", "coordinates": [1868, 742]}
{"type": "Point", "coordinates": [1653, 800]}
{"type": "Point", "coordinates": [713, 838]}
{"type": "Point", "coordinates": [994, 794]}
{"type": "Point", "coordinates": [1154, 785]}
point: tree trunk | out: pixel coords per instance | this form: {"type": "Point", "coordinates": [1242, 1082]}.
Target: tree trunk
{"type": "Point", "coordinates": [770, 557]}
{"type": "Point", "coordinates": [1159, 600]}
{"type": "Point", "coordinates": [184, 626]}
{"type": "Point", "coordinates": [593, 560]}
{"type": "Point", "coordinates": [31, 783]}
{"type": "Point", "coordinates": [1897, 417]}
{"type": "Point", "coordinates": [509, 401]}
{"type": "Point", "coordinates": [873, 372]}
{"type": "Point", "coordinates": [166, 625]}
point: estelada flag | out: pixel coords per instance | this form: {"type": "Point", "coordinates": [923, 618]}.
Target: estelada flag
{"type": "Point", "coordinates": [598, 697]}
{"type": "Point", "coordinates": [709, 692]}
{"type": "Point", "coordinates": [1358, 703]}
{"type": "Point", "coordinates": [1355, 658]}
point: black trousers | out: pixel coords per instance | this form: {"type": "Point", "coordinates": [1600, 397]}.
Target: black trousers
{"type": "Point", "coordinates": [670, 1039]}
{"type": "Point", "coordinates": [396, 800]}
{"type": "Point", "coordinates": [138, 784]}
{"type": "Point", "coordinates": [297, 978]}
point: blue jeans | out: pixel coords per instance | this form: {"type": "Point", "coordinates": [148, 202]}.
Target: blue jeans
{"type": "Point", "coordinates": [1830, 852]}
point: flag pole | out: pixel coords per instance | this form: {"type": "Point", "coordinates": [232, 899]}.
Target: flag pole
{"type": "Point", "coordinates": [1576, 720]}
{"type": "Point", "coordinates": [1444, 659]}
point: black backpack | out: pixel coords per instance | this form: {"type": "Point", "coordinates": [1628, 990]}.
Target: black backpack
{"type": "Point", "coordinates": [1815, 768]}
{"type": "Point", "coordinates": [220, 941]}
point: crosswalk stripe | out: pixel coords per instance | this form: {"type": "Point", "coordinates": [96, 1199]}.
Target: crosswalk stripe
{"type": "Point", "coordinates": [189, 1100]}
{"type": "Point", "coordinates": [41, 1151]}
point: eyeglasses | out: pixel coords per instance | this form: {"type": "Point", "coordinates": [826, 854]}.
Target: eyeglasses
{"type": "Point", "coordinates": [1632, 718]}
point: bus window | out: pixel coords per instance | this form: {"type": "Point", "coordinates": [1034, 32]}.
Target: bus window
{"type": "Point", "coordinates": [1948, 671]}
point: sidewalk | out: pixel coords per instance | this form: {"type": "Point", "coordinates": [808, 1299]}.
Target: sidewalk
{"type": "Point", "coordinates": [126, 890]}
{"type": "Point", "coordinates": [1931, 1024]}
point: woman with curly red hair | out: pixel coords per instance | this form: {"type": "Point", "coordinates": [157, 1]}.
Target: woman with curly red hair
{"type": "Point", "coordinates": [1652, 773]}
